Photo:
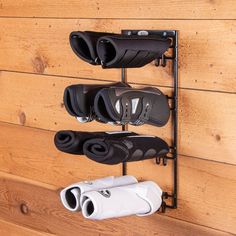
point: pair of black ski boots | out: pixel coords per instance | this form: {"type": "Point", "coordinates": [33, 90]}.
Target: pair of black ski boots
{"type": "Point", "coordinates": [111, 147]}
{"type": "Point", "coordinates": [117, 50]}
{"type": "Point", "coordinates": [117, 103]}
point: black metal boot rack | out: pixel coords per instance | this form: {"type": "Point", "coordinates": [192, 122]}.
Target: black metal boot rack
{"type": "Point", "coordinates": [173, 154]}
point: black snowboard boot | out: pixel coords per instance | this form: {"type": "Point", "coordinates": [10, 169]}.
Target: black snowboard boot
{"type": "Point", "coordinates": [79, 99]}
{"type": "Point", "coordinates": [134, 106]}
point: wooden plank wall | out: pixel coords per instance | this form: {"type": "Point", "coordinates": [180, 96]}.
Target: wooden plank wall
{"type": "Point", "coordinates": [36, 64]}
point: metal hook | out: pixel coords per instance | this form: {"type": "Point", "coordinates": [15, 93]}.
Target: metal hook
{"type": "Point", "coordinates": [163, 207]}
{"type": "Point", "coordinates": [158, 160]}
{"type": "Point", "coordinates": [161, 61]}
{"type": "Point", "coordinates": [164, 160]}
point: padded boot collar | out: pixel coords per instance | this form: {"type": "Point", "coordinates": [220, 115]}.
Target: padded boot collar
{"type": "Point", "coordinates": [79, 99]}
{"type": "Point", "coordinates": [84, 45]}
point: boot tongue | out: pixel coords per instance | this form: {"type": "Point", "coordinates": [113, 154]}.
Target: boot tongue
{"type": "Point", "coordinates": [136, 108]}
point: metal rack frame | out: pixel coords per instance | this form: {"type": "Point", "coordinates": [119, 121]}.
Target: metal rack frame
{"type": "Point", "coordinates": [173, 154]}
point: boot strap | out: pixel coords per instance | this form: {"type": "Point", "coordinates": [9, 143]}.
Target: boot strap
{"type": "Point", "coordinates": [127, 110]}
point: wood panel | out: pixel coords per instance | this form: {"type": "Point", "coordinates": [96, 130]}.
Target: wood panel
{"type": "Point", "coordinates": [37, 63]}
{"type": "Point", "coordinates": [203, 184]}
{"type": "Point", "coordinates": [44, 212]}
{"type": "Point", "coordinates": [36, 101]}
{"type": "Point", "coordinates": [206, 125]}
{"type": "Point", "coordinates": [161, 9]}
{"type": "Point", "coordinates": [41, 46]}
{"type": "Point", "coordinates": [31, 153]}
{"type": "Point", "coordinates": [10, 229]}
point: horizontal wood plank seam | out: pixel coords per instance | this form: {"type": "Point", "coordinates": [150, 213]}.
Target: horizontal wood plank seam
{"type": "Point", "coordinates": [112, 81]}
{"type": "Point", "coordinates": [185, 88]}
{"type": "Point", "coordinates": [197, 224]}
{"type": "Point", "coordinates": [110, 18]}
{"type": "Point", "coordinates": [54, 75]}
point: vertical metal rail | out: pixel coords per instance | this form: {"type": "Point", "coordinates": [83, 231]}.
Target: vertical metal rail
{"type": "Point", "coordinates": [174, 148]}
{"type": "Point", "coordinates": [174, 109]}
{"type": "Point", "coordinates": [124, 127]}
{"type": "Point", "coordinates": [175, 119]}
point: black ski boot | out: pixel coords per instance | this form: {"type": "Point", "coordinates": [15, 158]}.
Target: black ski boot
{"type": "Point", "coordinates": [72, 142]}
{"type": "Point", "coordinates": [111, 147]}
{"type": "Point", "coordinates": [134, 106]}
{"type": "Point", "coordinates": [123, 51]}
{"type": "Point", "coordinates": [113, 150]}
{"type": "Point", "coordinates": [79, 99]}
{"type": "Point", "coordinates": [117, 50]}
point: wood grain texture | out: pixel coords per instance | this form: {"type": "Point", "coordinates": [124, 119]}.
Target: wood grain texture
{"type": "Point", "coordinates": [11, 229]}
{"type": "Point", "coordinates": [202, 190]}
{"type": "Point", "coordinates": [46, 213]}
{"type": "Point", "coordinates": [31, 169]}
{"type": "Point", "coordinates": [36, 101]}
{"type": "Point", "coordinates": [206, 125]}
{"type": "Point", "coordinates": [31, 153]}
{"type": "Point", "coordinates": [160, 9]}
{"type": "Point", "coordinates": [203, 184]}
{"type": "Point", "coordinates": [206, 50]}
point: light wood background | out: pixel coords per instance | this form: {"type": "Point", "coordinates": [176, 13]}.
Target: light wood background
{"type": "Point", "coordinates": [36, 64]}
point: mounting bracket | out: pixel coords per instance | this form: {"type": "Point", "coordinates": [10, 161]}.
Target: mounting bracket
{"type": "Point", "coordinates": [173, 154]}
